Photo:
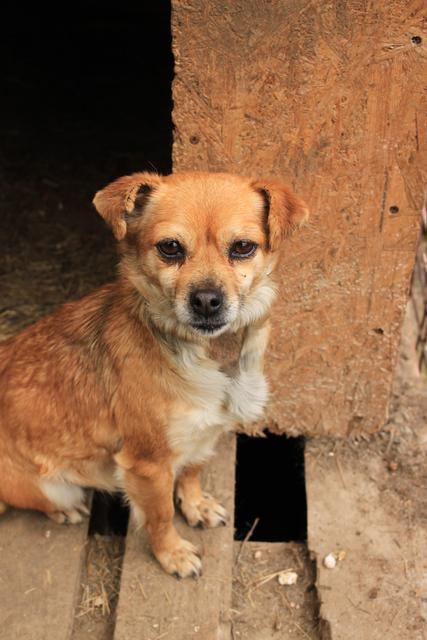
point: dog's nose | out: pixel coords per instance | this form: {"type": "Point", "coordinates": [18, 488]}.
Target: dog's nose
{"type": "Point", "coordinates": [206, 302]}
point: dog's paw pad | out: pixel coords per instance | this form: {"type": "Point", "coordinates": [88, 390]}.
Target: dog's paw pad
{"type": "Point", "coordinates": [208, 512]}
{"type": "Point", "coordinates": [183, 561]}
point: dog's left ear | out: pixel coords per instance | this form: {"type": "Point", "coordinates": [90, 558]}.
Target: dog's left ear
{"type": "Point", "coordinates": [284, 211]}
{"type": "Point", "coordinates": [125, 198]}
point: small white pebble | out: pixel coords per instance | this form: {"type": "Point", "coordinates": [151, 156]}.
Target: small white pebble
{"type": "Point", "coordinates": [330, 561]}
{"type": "Point", "coordinates": [257, 554]}
{"type": "Point", "coordinates": [292, 605]}
{"type": "Point", "coordinates": [196, 629]}
{"type": "Point", "coordinates": [47, 534]}
{"type": "Point", "coordinates": [287, 578]}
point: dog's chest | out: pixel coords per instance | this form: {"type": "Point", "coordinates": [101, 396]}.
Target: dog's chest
{"type": "Point", "coordinates": [214, 402]}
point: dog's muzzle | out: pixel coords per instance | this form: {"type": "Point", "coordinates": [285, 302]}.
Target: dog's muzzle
{"type": "Point", "coordinates": [207, 309]}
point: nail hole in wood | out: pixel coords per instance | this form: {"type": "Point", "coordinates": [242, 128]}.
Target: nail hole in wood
{"type": "Point", "coordinates": [394, 210]}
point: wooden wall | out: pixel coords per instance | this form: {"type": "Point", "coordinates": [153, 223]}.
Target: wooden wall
{"type": "Point", "coordinates": [327, 95]}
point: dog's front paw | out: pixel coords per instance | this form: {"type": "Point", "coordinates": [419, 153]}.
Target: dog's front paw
{"type": "Point", "coordinates": [206, 512]}
{"type": "Point", "coordinates": [182, 560]}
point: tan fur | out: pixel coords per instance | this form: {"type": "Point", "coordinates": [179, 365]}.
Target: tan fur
{"type": "Point", "coordinates": [118, 390]}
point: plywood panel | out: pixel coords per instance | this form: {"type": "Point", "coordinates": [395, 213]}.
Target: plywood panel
{"type": "Point", "coordinates": [328, 96]}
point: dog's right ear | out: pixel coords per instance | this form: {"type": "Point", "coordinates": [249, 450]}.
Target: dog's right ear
{"type": "Point", "coordinates": [123, 198]}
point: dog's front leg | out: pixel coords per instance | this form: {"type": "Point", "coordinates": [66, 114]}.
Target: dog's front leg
{"type": "Point", "coordinates": [149, 488]}
{"type": "Point", "coordinates": [249, 390]}
{"type": "Point", "coordinates": [253, 349]}
{"type": "Point", "coordinates": [199, 508]}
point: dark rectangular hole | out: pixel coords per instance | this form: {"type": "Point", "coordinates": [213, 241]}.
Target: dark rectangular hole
{"type": "Point", "coordinates": [109, 514]}
{"type": "Point", "coordinates": [270, 485]}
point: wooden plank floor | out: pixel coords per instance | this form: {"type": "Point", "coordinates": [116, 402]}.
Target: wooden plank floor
{"type": "Point", "coordinates": [153, 605]}
{"type": "Point", "coordinates": [40, 564]}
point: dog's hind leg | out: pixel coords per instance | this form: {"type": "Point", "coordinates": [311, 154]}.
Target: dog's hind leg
{"type": "Point", "coordinates": [19, 488]}
{"type": "Point", "coordinates": [68, 500]}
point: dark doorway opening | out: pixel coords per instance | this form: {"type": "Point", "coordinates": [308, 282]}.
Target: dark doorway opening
{"type": "Point", "coordinates": [270, 486]}
{"type": "Point", "coordinates": [87, 87]}
{"type": "Point", "coordinates": [86, 98]}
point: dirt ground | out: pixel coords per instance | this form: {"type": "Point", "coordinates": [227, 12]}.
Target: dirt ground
{"type": "Point", "coordinates": [264, 609]}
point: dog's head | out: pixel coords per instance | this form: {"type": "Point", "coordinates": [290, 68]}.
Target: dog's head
{"type": "Point", "coordinates": [201, 247]}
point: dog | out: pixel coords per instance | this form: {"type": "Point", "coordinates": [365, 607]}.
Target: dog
{"type": "Point", "coordinates": [127, 389]}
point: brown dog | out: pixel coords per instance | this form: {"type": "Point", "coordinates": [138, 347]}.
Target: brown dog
{"type": "Point", "coordinates": [124, 389]}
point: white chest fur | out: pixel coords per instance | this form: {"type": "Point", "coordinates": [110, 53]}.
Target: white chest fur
{"type": "Point", "coordinates": [213, 402]}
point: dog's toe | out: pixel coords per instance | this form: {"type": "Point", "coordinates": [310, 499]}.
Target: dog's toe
{"type": "Point", "coordinates": [208, 512]}
{"type": "Point", "coordinates": [74, 516]}
{"type": "Point", "coordinates": [57, 516]}
{"type": "Point", "coordinates": [69, 516]}
{"type": "Point", "coordinates": [182, 561]}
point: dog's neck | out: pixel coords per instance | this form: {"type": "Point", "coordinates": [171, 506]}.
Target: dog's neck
{"type": "Point", "coordinates": [224, 349]}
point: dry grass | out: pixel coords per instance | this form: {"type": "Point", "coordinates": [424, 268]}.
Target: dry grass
{"type": "Point", "coordinates": [100, 590]}
{"type": "Point", "coordinates": [99, 593]}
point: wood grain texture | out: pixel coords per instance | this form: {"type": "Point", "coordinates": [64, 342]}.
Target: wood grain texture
{"type": "Point", "coordinates": [153, 604]}
{"type": "Point", "coordinates": [328, 96]}
{"type": "Point", "coordinates": [40, 570]}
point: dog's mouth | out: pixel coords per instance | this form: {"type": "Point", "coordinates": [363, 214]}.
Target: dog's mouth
{"type": "Point", "coordinates": [208, 327]}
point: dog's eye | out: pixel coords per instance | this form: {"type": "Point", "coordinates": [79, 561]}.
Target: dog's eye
{"type": "Point", "coordinates": [242, 249]}
{"type": "Point", "coordinates": [171, 249]}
